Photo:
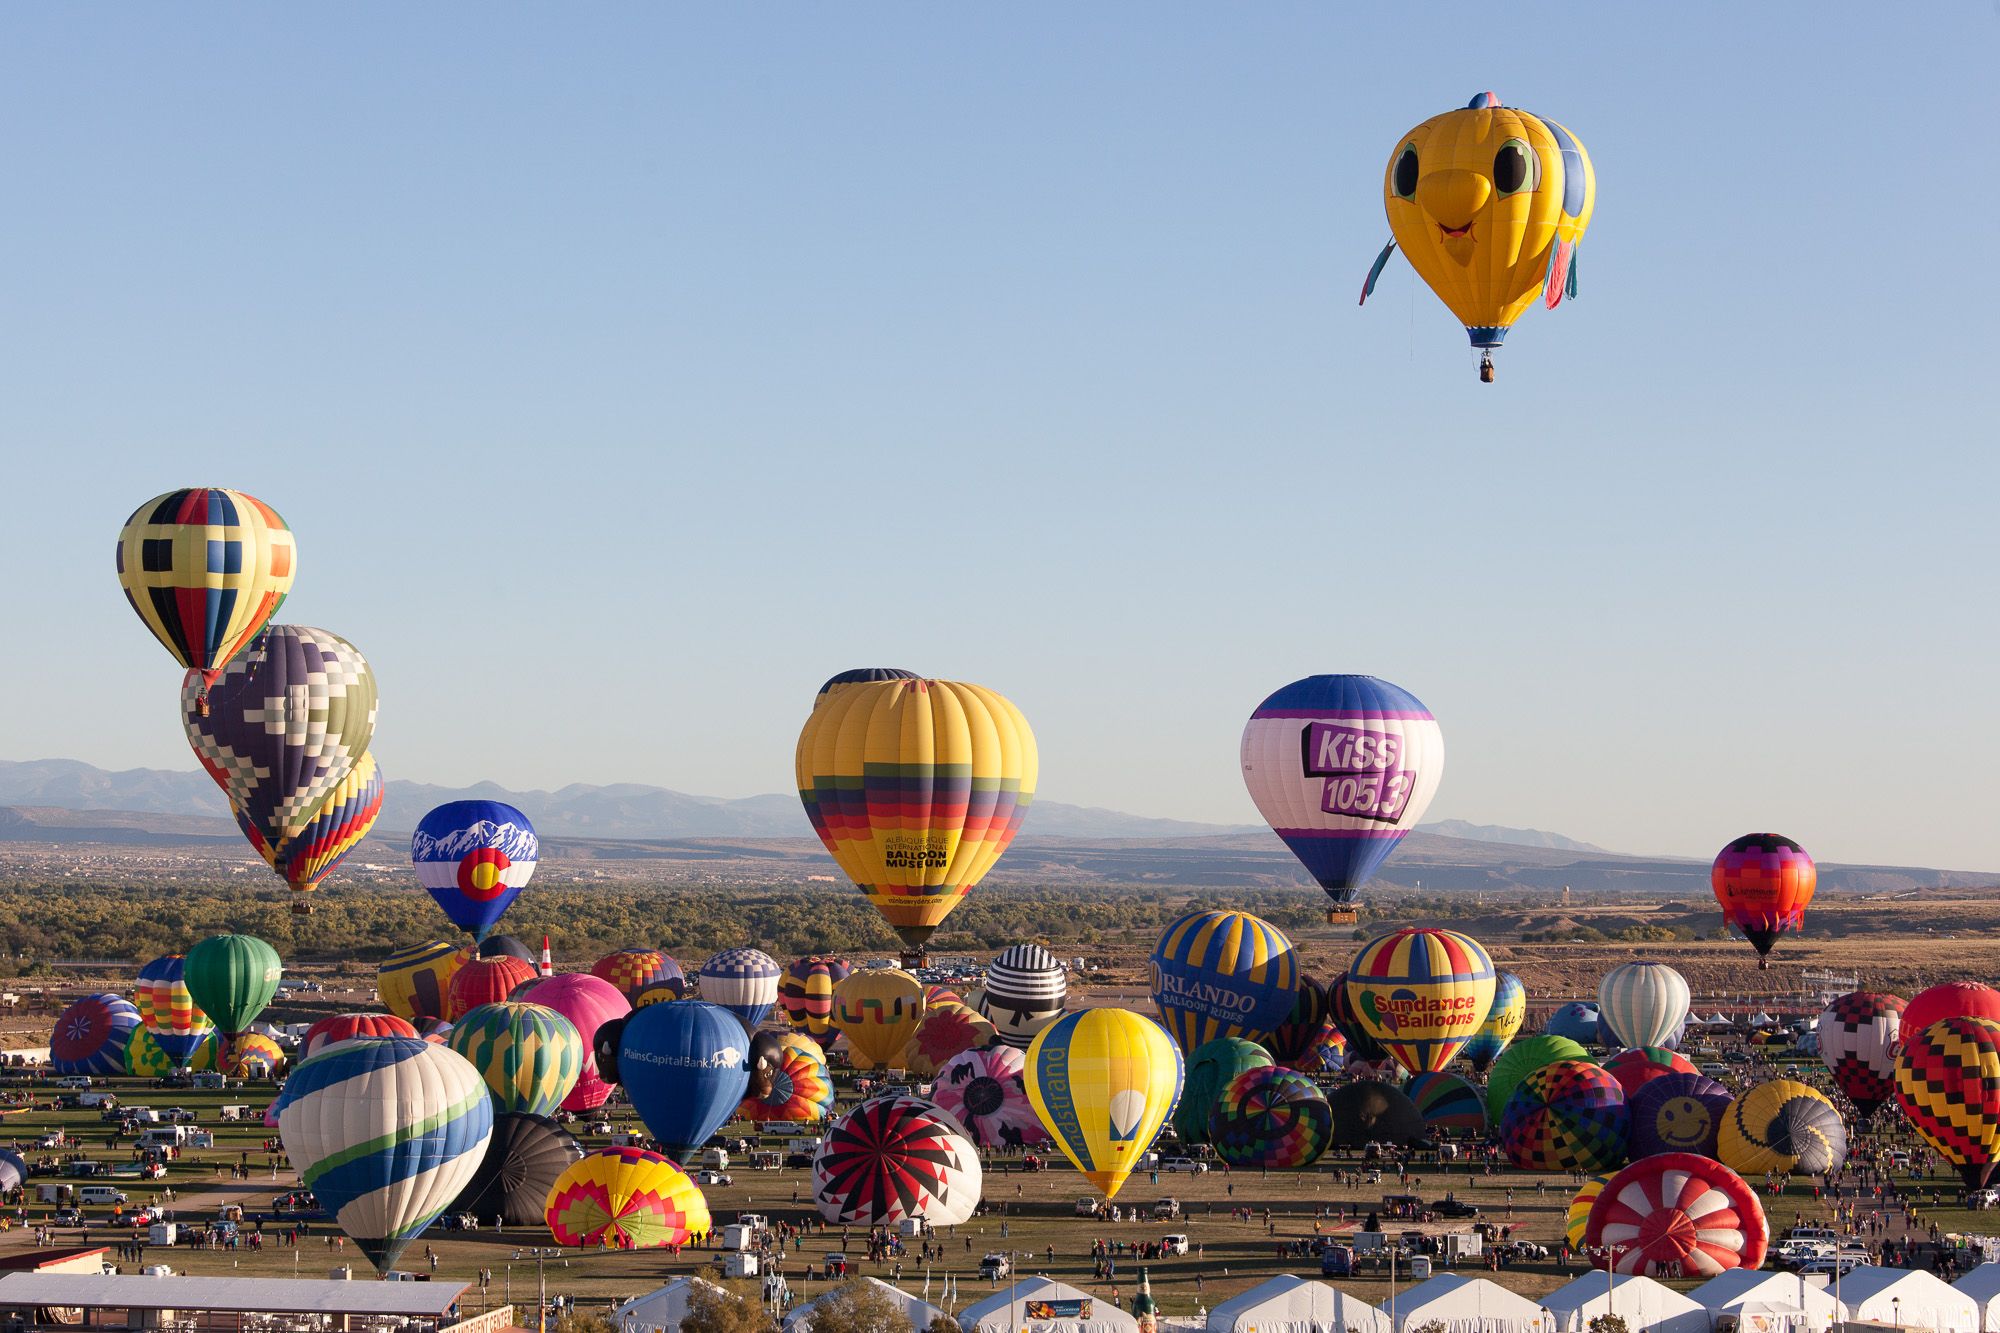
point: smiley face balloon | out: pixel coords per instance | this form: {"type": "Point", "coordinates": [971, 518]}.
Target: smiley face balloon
{"type": "Point", "coordinates": [1489, 203]}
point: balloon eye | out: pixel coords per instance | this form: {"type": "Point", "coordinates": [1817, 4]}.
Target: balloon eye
{"type": "Point", "coordinates": [1513, 168]}
{"type": "Point", "coordinates": [1405, 179]}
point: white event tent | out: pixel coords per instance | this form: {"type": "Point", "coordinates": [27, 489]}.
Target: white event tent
{"type": "Point", "coordinates": [1779, 1301]}
{"type": "Point", "coordinates": [1042, 1305]}
{"type": "Point", "coordinates": [921, 1314]}
{"type": "Point", "coordinates": [1907, 1298]}
{"type": "Point", "coordinates": [1465, 1305]}
{"type": "Point", "coordinates": [1289, 1304]}
{"type": "Point", "coordinates": [1982, 1284]}
{"type": "Point", "coordinates": [658, 1311]}
{"type": "Point", "coordinates": [1639, 1301]}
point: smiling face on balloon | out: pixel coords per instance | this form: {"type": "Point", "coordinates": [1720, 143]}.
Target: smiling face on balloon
{"type": "Point", "coordinates": [1684, 1124]}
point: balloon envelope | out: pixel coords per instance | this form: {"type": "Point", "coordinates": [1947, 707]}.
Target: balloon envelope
{"type": "Point", "coordinates": [634, 971]}
{"type": "Point", "coordinates": [877, 1010]}
{"type": "Point", "coordinates": [169, 1012]}
{"type": "Point", "coordinates": [1948, 1084]}
{"type": "Point", "coordinates": [1677, 1215]}
{"type": "Point", "coordinates": [1103, 1082]}
{"type": "Point", "coordinates": [1367, 1111]}
{"type": "Point", "coordinates": [1223, 974]}
{"type": "Point", "coordinates": [625, 1199]}
{"type": "Point", "coordinates": [485, 981]}
{"type": "Point", "coordinates": [474, 857]}
{"type": "Point", "coordinates": [1644, 1004]}
{"type": "Point", "coordinates": [684, 1067]}
{"type": "Point", "coordinates": [346, 1027]}
{"type": "Point", "coordinates": [1448, 1104]}
{"type": "Point", "coordinates": [1566, 1116]}
{"type": "Point", "coordinates": [1270, 1118]}
{"type": "Point", "coordinates": [415, 982]}
{"type": "Point", "coordinates": [1027, 988]}
{"type": "Point", "coordinates": [806, 992]}
{"type": "Point", "coordinates": [1858, 1035]}
{"type": "Point", "coordinates": [91, 1035]}
{"type": "Point", "coordinates": [525, 1157]}
{"type": "Point", "coordinates": [1422, 993]}
{"type": "Point", "coordinates": [529, 1055]}
{"type": "Point", "coordinates": [1291, 1038]}
{"type": "Point", "coordinates": [1212, 1068]}
{"type": "Point", "coordinates": [1576, 1020]}
{"type": "Point", "coordinates": [1640, 1065]}
{"type": "Point", "coordinates": [232, 979]}
{"type": "Point", "coordinates": [1502, 1023]}
{"type": "Point", "coordinates": [1782, 1126]}
{"type": "Point", "coordinates": [305, 858]}
{"type": "Point", "coordinates": [892, 1159]}
{"type": "Point", "coordinates": [1953, 999]}
{"type": "Point", "coordinates": [744, 981]}
{"type": "Point", "coordinates": [1677, 1113]}
{"type": "Point", "coordinates": [1763, 883]}
{"type": "Point", "coordinates": [987, 1092]}
{"type": "Point", "coordinates": [206, 569]}
{"type": "Point", "coordinates": [800, 1089]}
{"type": "Point", "coordinates": [588, 1002]}
{"type": "Point", "coordinates": [1518, 1061]}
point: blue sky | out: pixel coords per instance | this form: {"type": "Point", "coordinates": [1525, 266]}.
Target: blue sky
{"type": "Point", "coordinates": [625, 372]}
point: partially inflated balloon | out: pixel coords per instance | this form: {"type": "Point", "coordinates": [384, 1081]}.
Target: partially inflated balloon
{"type": "Point", "coordinates": [1640, 1065]}
{"type": "Point", "coordinates": [1566, 1116]}
{"type": "Point", "coordinates": [252, 1055]}
{"type": "Point", "coordinates": [878, 1010]}
{"type": "Point", "coordinates": [894, 1159]}
{"type": "Point", "coordinates": [1577, 1021]}
{"type": "Point", "coordinates": [635, 971]}
{"type": "Point", "coordinates": [1421, 993]}
{"type": "Point", "coordinates": [1103, 1081]}
{"type": "Point", "coordinates": [1325, 1053]}
{"type": "Point", "coordinates": [524, 1159]}
{"type": "Point", "coordinates": [1213, 1067]}
{"type": "Point", "coordinates": [1503, 1023]}
{"type": "Point", "coordinates": [588, 1002]}
{"type": "Point", "coordinates": [1577, 1218]}
{"type": "Point", "coordinates": [475, 857]}
{"type": "Point", "coordinates": [1270, 1118]}
{"type": "Point", "coordinates": [1223, 974]}
{"type": "Point", "coordinates": [987, 1092]}
{"type": "Point", "coordinates": [1858, 1035]}
{"type": "Point", "coordinates": [1645, 1004]}
{"type": "Point", "coordinates": [806, 991]}
{"type": "Point", "coordinates": [685, 1069]}
{"type": "Point", "coordinates": [1948, 1084]}
{"type": "Point", "coordinates": [1780, 1127]}
{"type": "Point", "coordinates": [744, 981]}
{"type": "Point", "coordinates": [916, 787]}
{"type": "Point", "coordinates": [1342, 767]}
{"type": "Point", "coordinates": [91, 1035]}
{"type": "Point", "coordinates": [168, 1010]}
{"type": "Point", "coordinates": [1763, 883]}
{"type": "Point", "coordinates": [799, 1089]}
{"type": "Point", "coordinates": [1677, 1113]}
{"type": "Point", "coordinates": [206, 569]}
{"type": "Point", "coordinates": [528, 1054]}
{"type": "Point", "coordinates": [1366, 1111]}
{"type": "Point", "coordinates": [1448, 1104]}
{"type": "Point", "coordinates": [625, 1199]}
{"type": "Point", "coordinates": [232, 979]}
{"type": "Point", "coordinates": [144, 1057]}
{"type": "Point", "coordinates": [416, 982]}
{"type": "Point", "coordinates": [1519, 1060]}
{"type": "Point", "coordinates": [1291, 1038]}
{"type": "Point", "coordinates": [508, 946]}
{"type": "Point", "coordinates": [1677, 1215]}
{"type": "Point", "coordinates": [947, 1030]}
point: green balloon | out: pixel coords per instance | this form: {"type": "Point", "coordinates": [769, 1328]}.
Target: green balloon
{"type": "Point", "coordinates": [1520, 1060]}
{"type": "Point", "coordinates": [1209, 1070]}
{"type": "Point", "coordinates": [231, 978]}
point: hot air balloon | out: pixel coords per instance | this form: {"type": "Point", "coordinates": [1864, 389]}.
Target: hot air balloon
{"type": "Point", "coordinates": [1325, 1053]}
{"type": "Point", "coordinates": [304, 859]}
{"type": "Point", "coordinates": [144, 1057]}
{"type": "Point", "coordinates": [346, 1027]}
{"type": "Point", "coordinates": [1645, 1004]}
{"type": "Point", "coordinates": [1857, 1040]}
{"type": "Point", "coordinates": [916, 787]}
{"type": "Point", "coordinates": [1953, 999]}
{"type": "Point", "coordinates": [1102, 1082]}
{"type": "Point", "coordinates": [1448, 1104]}
{"type": "Point", "coordinates": [1489, 202]}
{"type": "Point", "coordinates": [1677, 1113]}
{"type": "Point", "coordinates": [1212, 1068]}
{"type": "Point", "coordinates": [806, 992]}
{"type": "Point", "coordinates": [1290, 1039]}
{"type": "Point", "coordinates": [1421, 993]}
{"type": "Point", "coordinates": [1502, 1024]}
{"type": "Point", "coordinates": [1639, 1065]}
{"type": "Point", "coordinates": [1366, 1111]}
{"type": "Point", "coordinates": [588, 1002]}
{"type": "Point", "coordinates": [1577, 1021]}
{"type": "Point", "coordinates": [878, 1010]}
{"type": "Point", "coordinates": [416, 982]}
{"type": "Point", "coordinates": [684, 1067]}
{"type": "Point", "coordinates": [1518, 1061]}
{"type": "Point", "coordinates": [91, 1035]}
{"type": "Point", "coordinates": [1223, 974]}
{"type": "Point", "coordinates": [474, 857]}
{"type": "Point", "coordinates": [947, 1030]}
{"type": "Point", "coordinates": [529, 1055]}
{"type": "Point", "coordinates": [13, 1171]}
{"type": "Point", "coordinates": [1782, 1126]}
{"type": "Point", "coordinates": [744, 981]}
{"type": "Point", "coordinates": [625, 1199]}
{"type": "Point", "coordinates": [252, 1055]}
{"type": "Point", "coordinates": [987, 1092]}
{"type": "Point", "coordinates": [1026, 990]}
{"type": "Point", "coordinates": [1676, 1215]}
{"type": "Point", "coordinates": [524, 1159]}
{"type": "Point", "coordinates": [1342, 767]}
{"type": "Point", "coordinates": [232, 978]}
{"type": "Point", "coordinates": [508, 946]}
{"type": "Point", "coordinates": [634, 971]}
{"type": "Point", "coordinates": [1271, 1117]}
{"type": "Point", "coordinates": [485, 981]}
{"type": "Point", "coordinates": [800, 1089]}
{"type": "Point", "coordinates": [169, 1012]}
{"type": "Point", "coordinates": [1764, 883]}
{"type": "Point", "coordinates": [206, 569]}
{"type": "Point", "coordinates": [387, 1132]}
{"type": "Point", "coordinates": [1360, 1046]}
{"type": "Point", "coordinates": [1948, 1084]}
{"type": "Point", "coordinates": [1577, 1218]}
{"type": "Point", "coordinates": [1566, 1116]}
{"type": "Point", "coordinates": [860, 676]}
{"type": "Point", "coordinates": [893, 1159]}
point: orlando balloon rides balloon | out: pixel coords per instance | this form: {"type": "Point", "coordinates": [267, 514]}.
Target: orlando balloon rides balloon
{"type": "Point", "coordinates": [1645, 1003]}
{"type": "Point", "coordinates": [529, 1055]}
{"type": "Point", "coordinates": [685, 1067]}
{"type": "Point", "coordinates": [1858, 1035]}
{"type": "Point", "coordinates": [1764, 883]}
{"type": "Point", "coordinates": [91, 1035]}
{"type": "Point", "coordinates": [916, 787]}
{"type": "Point", "coordinates": [1948, 1084]}
{"type": "Point", "coordinates": [893, 1159]}
{"type": "Point", "coordinates": [744, 981]}
{"type": "Point", "coordinates": [1422, 993]}
{"type": "Point", "coordinates": [625, 1199]}
{"type": "Point", "coordinates": [415, 983]}
{"type": "Point", "coordinates": [1489, 203]}
{"type": "Point", "coordinates": [1676, 1215]}
{"type": "Point", "coordinates": [1502, 1024]}
{"type": "Point", "coordinates": [1342, 767]}
{"type": "Point", "coordinates": [168, 1011]}
{"type": "Point", "coordinates": [205, 569]}
{"type": "Point", "coordinates": [1103, 1081]}
{"type": "Point", "coordinates": [1223, 974]}
{"type": "Point", "coordinates": [232, 978]}
{"type": "Point", "coordinates": [387, 1132]}
{"type": "Point", "coordinates": [474, 857]}
{"type": "Point", "coordinates": [806, 991]}
{"type": "Point", "coordinates": [878, 1010]}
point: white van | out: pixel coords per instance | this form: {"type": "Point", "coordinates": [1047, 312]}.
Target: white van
{"type": "Point", "coordinates": [96, 1101]}
{"type": "Point", "coordinates": [165, 1136]}
{"type": "Point", "coordinates": [101, 1194]}
{"type": "Point", "coordinates": [712, 1159]}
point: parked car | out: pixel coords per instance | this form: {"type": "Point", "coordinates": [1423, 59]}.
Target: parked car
{"type": "Point", "coordinates": [1167, 1210]}
{"type": "Point", "coordinates": [67, 1217]}
{"type": "Point", "coordinates": [1090, 1207]}
{"type": "Point", "coordinates": [993, 1267]}
{"type": "Point", "coordinates": [713, 1178]}
{"type": "Point", "coordinates": [1176, 1243]}
{"type": "Point", "coordinates": [1455, 1208]}
{"type": "Point", "coordinates": [1183, 1164]}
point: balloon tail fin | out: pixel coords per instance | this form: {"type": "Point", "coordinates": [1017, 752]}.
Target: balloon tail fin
{"type": "Point", "coordinates": [1375, 271]}
{"type": "Point", "coordinates": [1560, 280]}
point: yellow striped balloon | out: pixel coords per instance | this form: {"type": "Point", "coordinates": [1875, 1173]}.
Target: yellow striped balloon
{"type": "Point", "coordinates": [206, 569]}
{"type": "Point", "coordinates": [1422, 993]}
{"type": "Point", "coordinates": [252, 1055]}
{"type": "Point", "coordinates": [416, 982]}
{"type": "Point", "coordinates": [916, 787]}
{"type": "Point", "coordinates": [877, 1010]}
{"type": "Point", "coordinates": [1103, 1082]}
{"type": "Point", "coordinates": [627, 1199]}
{"type": "Point", "coordinates": [1223, 974]}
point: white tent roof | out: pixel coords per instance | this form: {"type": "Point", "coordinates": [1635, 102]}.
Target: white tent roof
{"type": "Point", "coordinates": [1289, 1304]}
{"type": "Point", "coordinates": [1640, 1301]}
{"type": "Point", "coordinates": [1908, 1298]}
{"type": "Point", "coordinates": [1754, 1291]}
{"type": "Point", "coordinates": [662, 1309]}
{"type": "Point", "coordinates": [1466, 1305]}
{"type": "Point", "coordinates": [1982, 1284]}
{"type": "Point", "coordinates": [1760, 1019]}
{"type": "Point", "coordinates": [920, 1313]}
{"type": "Point", "coordinates": [1010, 1310]}
{"type": "Point", "coordinates": [1718, 1020]}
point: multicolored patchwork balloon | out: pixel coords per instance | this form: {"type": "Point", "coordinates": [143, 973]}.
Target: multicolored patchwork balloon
{"type": "Point", "coordinates": [1326, 1053]}
{"type": "Point", "coordinates": [806, 991]}
{"type": "Point", "coordinates": [1677, 1113]}
{"type": "Point", "coordinates": [1223, 974]}
{"type": "Point", "coordinates": [1676, 1215]}
{"type": "Point", "coordinates": [475, 857]}
{"type": "Point", "coordinates": [206, 569]}
{"type": "Point", "coordinates": [1271, 1117]}
{"type": "Point", "coordinates": [1782, 1126]}
{"type": "Point", "coordinates": [625, 1199]}
{"type": "Point", "coordinates": [1103, 1081]}
{"type": "Point", "coordinates": [347, 1027]}
{"type": "Point", "coordinates": [415, 982]}
{"type": "Point", "coordinates": [1291, 1038]}
{"type": "Point", "coordinates": [529, 1055]}
{"type": "Point", "coordinates": [1566, 1116]}
{"type": "Point", "coordinates": [1210, 1070]}
{"type": "Point", "coordinates": [800, 1091]}
{"type": "Point", "coordinates": [1518, 1061]}
{"type": "Point", "coordinates": [1644, 1004]}
{"type": "Point", "coordinates": [987, 1092]}
{"type": "Point", "coordinates": [744, 981]}
{"type": "Point", "coordinates": [252, 1055]}
{"type": "Point", "coordinates": [91, 1035]}
{"type": "Point", "coordinates": [1448, 1104]}
{"type": "Point", "coordinates": [1858, 1034]}
{"type": "Point", "coordinates": [635, 971]}
{"type": "Point", "coordinates": [896, 1158]}
{"type": "Point", "coordinates": [1027, 988]}
{"type": "Point", "coordinates": [1948, 1084]}
{"type": "Point", "coordinates": [1422, 993]}
{"type": "Point", "coordinates": [1640, 1065]}
{"type": "Point", "coordinates": [307, 857]}
{"type": "Point", "coordinates": [1504, 1018]}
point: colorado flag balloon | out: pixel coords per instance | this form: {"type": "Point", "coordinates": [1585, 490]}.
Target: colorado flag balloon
{"type": "Point", "coordinates": [1342, 767]}
{"type": "Point", "coordinates": [1104, 1081]}
{"type": "Point", "coordinates": [475, 857]}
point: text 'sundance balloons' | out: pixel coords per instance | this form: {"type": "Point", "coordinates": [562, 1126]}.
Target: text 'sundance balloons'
{"type": "Point", "coordinates": [1103, 1081]}
{"type": "Point", "coordinates": [1422, 993]}
{"type": "Point", "coordinates": [1342, 767]}
{"type": "Point", "coordinates": [1223, 974]}
{"type": "Point", "coordinates": [1764, 883]}
{"type": "Point", "coordinates": [474, 857]}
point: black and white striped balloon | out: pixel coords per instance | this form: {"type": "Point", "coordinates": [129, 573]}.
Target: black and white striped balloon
{"type": "Point", "coordinates": [1026, 989]}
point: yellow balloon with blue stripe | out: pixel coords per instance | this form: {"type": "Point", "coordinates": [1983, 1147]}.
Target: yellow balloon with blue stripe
{"type": "Point", "coordinates": [1103, 1082]}
{"type": "Point", "coordinates": [1223, 974]}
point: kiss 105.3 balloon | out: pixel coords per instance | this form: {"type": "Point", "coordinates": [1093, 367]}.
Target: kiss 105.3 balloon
{"type": "Point", "coordinates": [1504, 1018]}
{"type": "Point", "coordinates": [1764, 883]}
{"type": "Point", "coordinates": [1103, 1081]}
{"type": "Point", "coordinates": [474, 857]}
{"type": "Point", "coordinates": [916, 787]}
{"type": "Point", "coordinates": [1223, 974]}
{"type": "Point", "coordinates": [686, 1069]}
{"type": "Point", "coordinates": [1857, 1040]}
{"type": "Point", "coordinates": [1422, 993]}
{"type": "Point", "coordinates": [206, 569]}
{"type": "Point", "coordinates": [1342, 767]}
{"type": "Point", "coordinates": [1489, 203]}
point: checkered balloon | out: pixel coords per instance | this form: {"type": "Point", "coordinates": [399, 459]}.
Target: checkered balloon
{"type": "Point", "coordinates": [1948, 1084]}
{"type": "Point", "coordinates": [1566, 1116]}
{"type": "Point", "coordinates": [1857, 1040]}
{"type": "Point", "coordinates": [1271, 1117]}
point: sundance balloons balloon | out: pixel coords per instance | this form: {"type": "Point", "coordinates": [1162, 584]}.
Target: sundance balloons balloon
{"type": "Point", "coordinates": [415, 982]}
{"type": "Point", "coordinates": [232, 978]}
{"type": "Point", "coordinates": [386, 1132]}
{"type": "Point", "coordinates": [685, 1068]}
{"type": "Point", "coordinates": [1677, 1215]}
{"type": "Point", "coordinates": [1645, 1004]}
{"type": "Point", "coordinates": [1763, 883]}
{"type": "Point", "coordinates": [1640, 1065]}
{"type": "Point", "coordinates": [1518, 1061]}
{"type": "Point", "coordinates": [475, 857]}
{"type": "Point", "coordinates": [1677, 1113]}
{"type": "Point", "coordinates": [524, 1159]}
{"type": "Point", "coordinates": [1489, 203]}
{"type": "Point", "coordinates": [1421, 993]}
{"type": "Point", "coordinates": [1026, 990]}
{"type": "Point", "coordinates": [1780, 1127]}
{"type": "Point", "coordinates": [1948, 1084]}
{"type": "Point", "coordinates": [588, 1002]}
{"type": "Point", "coordinates": [1271, 1118]}
{"type": "Point", "coordinates": [529, 1055]}
{"type": "Point", "coordinates": [1342, 767]}
{"type": "Point", "coordinates": [168, 1010]}
{"type": "Point", "coordinates": [916, 787]}
{"type": "Point", "coordinates": [633, 971]}
{"type": "Point", "coordinates": [304, 859]}
{"type": "Point", "coordinates": [1504, 1018]}
{"type": "Point", "coordinates": [1223, 974]}
{"type": "Point", "coordinates": [987, 1092]}
{"type": "Point", "coordinates": [1103, 1081]}
{"type": "Point", "coordinates": [744, 981]}
{"type": "Point", "coordinates": [625, 1199]}
{"type": "Point", "coordinates": [206, 569]}
{"type": "Point", "coordinates": [346, 1027]}
{"type": "Point", "coordinates": [806, 992]}
{"type": "Point", "coordinates": [485, 981]}
{"type": "Point", "coordinates": [1857, 1040]}
{"type": "Point", "coordinates": [894, 1159]}
{"type": "Point", "coordinates": [1566, 1116]}
{"type": "Point", "coordinates": [1213, 1067]}
{"type": "Point", "coordinates": [1953, 999]}
{"type": "Point", "coordinates": [91, 1035]}
{"type": "Point", "coordinates": [878, 1010]}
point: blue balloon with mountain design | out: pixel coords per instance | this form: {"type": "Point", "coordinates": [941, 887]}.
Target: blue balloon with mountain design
{"type": "Point", "coordinates": [474, 857]}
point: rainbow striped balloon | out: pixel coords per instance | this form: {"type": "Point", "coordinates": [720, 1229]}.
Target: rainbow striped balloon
{"type": "Point", "coordinates": [1422, 993]}
{"type": "Point", "coordinates": [178, 1025]}
{"type": "Point", "coordinates": [337, 828]}
{"type": "Point", "coordinates": [1223, 974]}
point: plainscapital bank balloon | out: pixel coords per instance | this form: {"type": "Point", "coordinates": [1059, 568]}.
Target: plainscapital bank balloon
{"type": "Point", "coordinates": [475, 857]}
{"type": "Point", "coordinates": [206, 569]}
{"type": "Point", "coordinates": [1504, 1018]}
{"type": "Point", "coordinates": [1489, 203]}
{"type": "Point", "coordinates": [387, 1132]}
{"type": "Point", "coordinates": [744, 981]}
{"type": "Point", "coordinates": [1948, 1084]}
{"type": "Point", "coordinates": [1764, 883]}
{"type": "Point", "coordinates": [916, 787]}
{"type": "Point", "coordinates": [806, 992]}
{"type": "Point", "coordinates": [415, 983]}
{"type": "Point", "coordinates": [1026, 990]}
{"type": "Point", "coordinates": [1676, 1215]}
{"type": "Point", "coordinates": [1223, 974]}
{"type": "Point", "coordinates": [987, 1092]}
{"type": "Point", "coordinates": [232, 978]}
{"type": "Point", "coordinates": [529, 1055]}
{"type": "Point", "coordinates": [1422, 993]}
{"type": "Point", "coordinates": [1644, 1003]}
{"type": "Point", "coordinates": [1342, 767]}
{"type": "Point", "coordinates": [685, 1068]}
{"type": "Point", "coordinates": [893, 1159]}
{"type": "Point", "coordinates": [1858, 1034]}
{"type": "Point", "coordinates": [625, 1199]}
{"type": "Point", "coordinates": [1103, 1081]}
{"type": "Point", "coordinates": [1212, 1068]}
